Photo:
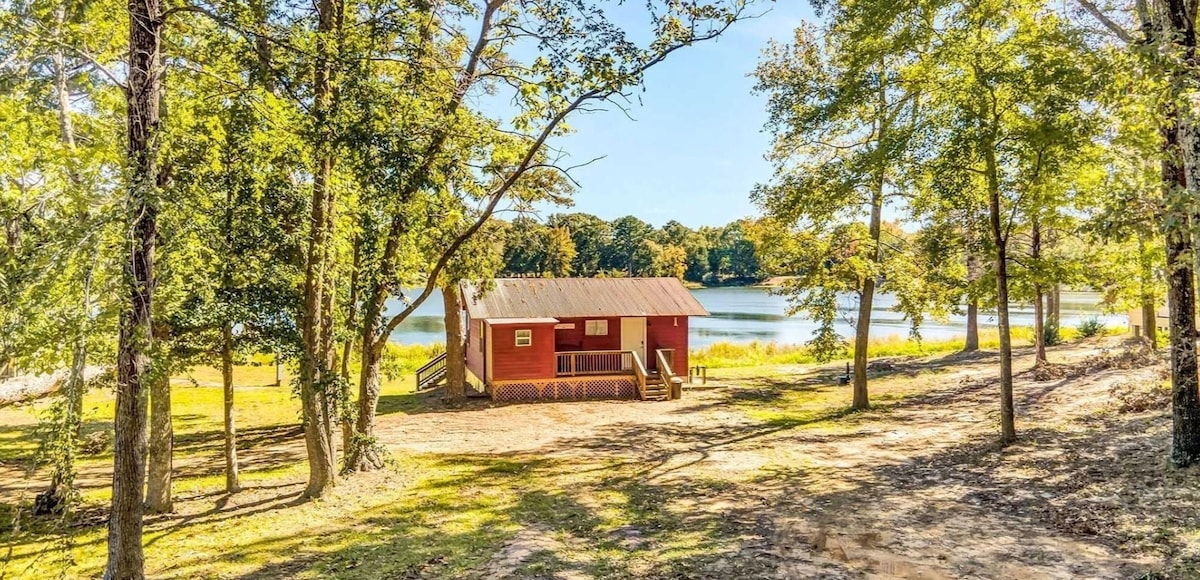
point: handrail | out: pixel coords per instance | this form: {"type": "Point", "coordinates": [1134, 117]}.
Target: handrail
{"type": "Point", "coordinates": [431, 370]}
{"type": "Point", "coordinates": [670, 355]}
{"type": "Point", "coordinates": [592, 362]}
{"type": "Point", "coordinates": [639, 369]}
{"type": "Point", "coordinates": [664, 368]}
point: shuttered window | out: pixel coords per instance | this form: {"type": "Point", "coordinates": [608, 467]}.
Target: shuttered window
{"type": "Point", "coordinates": [596, 328]}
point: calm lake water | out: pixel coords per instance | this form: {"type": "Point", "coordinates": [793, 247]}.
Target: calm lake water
{"type": "Point", "coordinates": [748, 314]}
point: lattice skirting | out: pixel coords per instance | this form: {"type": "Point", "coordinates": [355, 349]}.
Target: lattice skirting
{"type": "Point", "coordinates": [566, 389]}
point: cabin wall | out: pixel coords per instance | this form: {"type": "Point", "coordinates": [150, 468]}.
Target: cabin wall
{"type": "Point", "coordinates": [475, 348]}
{"type": "Point", "coordinates": [668, 332]}
{"type": "Point", "coordinates": [511, 362]}
{"type": "Point", "coordinates": [568, 339]}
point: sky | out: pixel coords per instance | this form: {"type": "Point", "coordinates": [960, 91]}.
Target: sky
{"type": "Point", "coordinates": [694, 147]}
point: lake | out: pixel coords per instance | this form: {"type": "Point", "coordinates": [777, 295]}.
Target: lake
{"type": "Point", "coordinates": [743, 314]}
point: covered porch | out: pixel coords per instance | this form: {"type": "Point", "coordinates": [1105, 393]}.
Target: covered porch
{"type": "Point", "coordinates": [605, 374]}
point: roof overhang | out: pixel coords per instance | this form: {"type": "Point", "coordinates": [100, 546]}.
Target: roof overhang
{"type": "Point", "coordinates": [580, 298]}
{"type": "Point", "coordinates": [511, 321]}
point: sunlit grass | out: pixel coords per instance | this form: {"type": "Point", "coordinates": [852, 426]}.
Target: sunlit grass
{"type": "Point", "coordinates": [758, 353]}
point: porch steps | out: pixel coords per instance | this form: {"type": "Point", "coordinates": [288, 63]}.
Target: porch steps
{"type": "Point", "coordinates": [432, 373]}
{"type": "Point", "coordinates": [656, 389]}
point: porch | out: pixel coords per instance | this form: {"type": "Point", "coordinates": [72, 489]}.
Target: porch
{"type": "Point", "coordinates": [655, 382]}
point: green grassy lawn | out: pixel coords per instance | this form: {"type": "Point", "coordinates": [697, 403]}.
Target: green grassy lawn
{"type": "Point", "coordinates": [441, 515]}
{"type": "Point", "coordinates": [690, 496]}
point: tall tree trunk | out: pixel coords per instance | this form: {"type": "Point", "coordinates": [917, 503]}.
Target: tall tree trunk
{"type": "Point", "coordinates": [162, 435]}
{"type": "Point", "coordinates": [1146, 294]}
{"type": "Point", "coordinates": [314, 365]}
{"type": "Point", "coordinates": [1008, 429]}
{"type": "Point", "coordinates": [75, 382]}
{"type": "Point", "coordinates": [364, 454]}
{"type": "Point", "coordinates": [135, 339]}
{"type": "Point", "coordinates": [456, 358]}
{"type": "Point", "coordinates": [862, 329]}
{"type": "Point", "coordinates": [231, 461]}
{"type": "Point", "coordinates": [231, 458]}
{"type": "Point", "coordinates": [349, 415]}
{"type": "Point", "coordinates": [1039, 312]}
{"type": "Point", "coordinates": [974, 270]}
{"type": "Point", "coordinates": [1180, 172]}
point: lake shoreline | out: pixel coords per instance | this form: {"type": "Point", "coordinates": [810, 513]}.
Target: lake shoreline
{"type": "Point", "coordinates": [745, 314]}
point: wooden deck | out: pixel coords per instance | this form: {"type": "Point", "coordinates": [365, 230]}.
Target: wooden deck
{"type": "Point", "coordinates": [596, 374]}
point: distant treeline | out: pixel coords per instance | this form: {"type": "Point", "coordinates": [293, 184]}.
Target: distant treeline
{"type": "Point", "coordinates": [583, 245]}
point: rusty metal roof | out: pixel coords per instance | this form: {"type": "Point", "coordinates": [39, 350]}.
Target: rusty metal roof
{"type": "Point", "coordinates": [582, 298]}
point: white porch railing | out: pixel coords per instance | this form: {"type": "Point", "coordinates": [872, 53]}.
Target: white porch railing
{"type": "Point", "coordinates": [594, 362]}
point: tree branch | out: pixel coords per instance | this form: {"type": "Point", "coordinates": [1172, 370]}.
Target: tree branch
{"type": "Point", "coordinates": [1108, 23]}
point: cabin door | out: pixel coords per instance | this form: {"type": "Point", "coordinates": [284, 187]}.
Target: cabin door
{"type": "Point", "coordinates": [633, 337]}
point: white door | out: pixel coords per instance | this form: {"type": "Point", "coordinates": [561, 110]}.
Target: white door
{"type": "Point", "coordinates": [633, 336]}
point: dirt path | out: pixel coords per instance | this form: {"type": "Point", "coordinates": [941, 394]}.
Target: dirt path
{"type": "Point", "coordinates": [766, 475]}
{"type": "Point", "coordinates": [917, 491]}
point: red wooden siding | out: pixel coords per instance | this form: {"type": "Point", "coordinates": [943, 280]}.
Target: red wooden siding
{"type": "Point", "coordinates": [475, 349]}
{"type": "Point", "coordinates": [668, 332]}
{"type": "Point", "coordinates": [512, 362]}
{"type": "Point", "coordinates": [576, 338]}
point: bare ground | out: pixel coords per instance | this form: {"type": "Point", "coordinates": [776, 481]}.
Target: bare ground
{"type": "Point", "coordinates": [915, 488]}
{"type": "Point", "coordinates": [918, 490]}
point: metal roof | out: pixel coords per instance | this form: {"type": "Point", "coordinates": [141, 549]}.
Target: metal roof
{"type": "Point", "coordinates": [504, 321]}
{"type": "Point", "coordinates": [582, 298]}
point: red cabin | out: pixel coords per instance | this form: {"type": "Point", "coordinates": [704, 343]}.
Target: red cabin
{"type": "Point", "coordinates": [579, 338]}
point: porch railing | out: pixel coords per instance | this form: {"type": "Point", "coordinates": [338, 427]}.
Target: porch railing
{"type": "Point", "coordinates": [594, 362]}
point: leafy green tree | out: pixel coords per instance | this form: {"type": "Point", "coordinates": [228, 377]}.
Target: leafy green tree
{"type": "Point", "coordinates": [842, 111]}
{"type": "Point", "coordinates": [525, 247]}
{"type": "Point", "coordinates": [560, 252]}
{"type": "Point", "coordinates": [590, 235]}
{"type": "Point", "coordinates": [696, 247]}
{"type": "Point", "coordinates": [628, 234]}
{"type": "Point", "coordinates": [1007, 133]}
{"type": "Point", "coordinates": [57, 264]}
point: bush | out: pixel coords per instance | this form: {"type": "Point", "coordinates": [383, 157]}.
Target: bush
{"type": "Point", "coordinates": [1090, 327]}
{"type": "Point", "coordinates": [1050, 334]}
{"type": "Point", "coordinates": [95, 443]}
{"type": "Point", "coordinates": [1137, 397]}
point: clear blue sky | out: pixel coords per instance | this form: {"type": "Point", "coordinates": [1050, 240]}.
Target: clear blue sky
{"type": "Point", "coordinates": [695, 147]}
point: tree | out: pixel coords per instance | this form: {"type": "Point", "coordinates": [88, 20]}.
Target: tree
{"type": "Point", "coordinates": [823, 90]}
{"type": "Point", "coordinates": [590, 235]}
{"type": "Point", "coordinates": [608, 64]}
{"type": "Point", "coordinates": [1006, 132]}
{"type": "Point", "coordinates": [560, 252]}
{"type": "Point", "coordinates": [525, 247]}
{"type": "Point", "coordinates": [143, 90]}
{"type": "Point", "coordinates": [628, 235]}
{"type": "Point", "coordinates": [56, 188]}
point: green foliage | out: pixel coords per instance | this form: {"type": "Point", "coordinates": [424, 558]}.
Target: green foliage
{"type": "Point", "coordinates": [1090, 327]}
{"type": "Point", "coordinates": [581, 244]}
{"type": "Point", "coordinates": [1050, 333]}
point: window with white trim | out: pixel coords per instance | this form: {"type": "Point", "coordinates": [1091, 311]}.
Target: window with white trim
{"type": "Point", "coordinates": [524, 337]}
{"type": "Point", "coordinates": [596, 328]}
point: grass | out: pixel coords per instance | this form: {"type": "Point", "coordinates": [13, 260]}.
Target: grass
{"type": "Point", "coordinates": [447, 515]}
{"type": "Point", "coordinates": [429, 515]}
{"type": "Point", "coordinates": [757, 353]}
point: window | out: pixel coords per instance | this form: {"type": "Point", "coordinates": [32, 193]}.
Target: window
{"type": "Point", "coordinates": [596, 328]}
{"type": "Point", "coordinates": [524, 337]}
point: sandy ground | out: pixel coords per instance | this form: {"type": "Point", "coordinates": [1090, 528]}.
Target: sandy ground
{"type": "Point", "coordinates": [920, 491]}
